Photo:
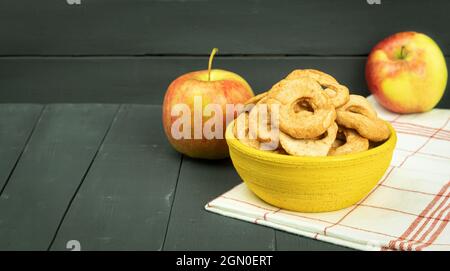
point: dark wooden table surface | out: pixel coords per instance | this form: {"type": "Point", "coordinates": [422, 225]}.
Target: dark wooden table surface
{"type": "Point", "coordinates": [104, 175]}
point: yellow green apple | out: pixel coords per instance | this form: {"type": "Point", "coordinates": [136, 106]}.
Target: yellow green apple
{"type": "Point", "coordinates": [407, 73]}
{"type": "Point", "coordinates": [197, 102]}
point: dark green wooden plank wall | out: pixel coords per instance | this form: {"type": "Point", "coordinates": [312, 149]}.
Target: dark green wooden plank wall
{"type": "Point", "coordinates": [128, 51]}
{"type": "Point", "coordinates": [242, 27]}
{"type": "Point", "coordinates": [145, 79]}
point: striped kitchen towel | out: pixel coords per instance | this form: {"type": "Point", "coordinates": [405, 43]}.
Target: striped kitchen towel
{"type": "Point", "coordinates": [409, 209]}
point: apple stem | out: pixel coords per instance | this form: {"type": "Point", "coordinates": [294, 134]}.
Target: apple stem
{"type": "Point", "coordinates": [402, 53]}
{"type": "Point", "coordinates": [211, 56]}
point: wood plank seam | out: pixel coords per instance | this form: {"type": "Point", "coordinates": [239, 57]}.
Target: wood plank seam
{"type": "Point", "coordinates": [275, 246]}
{"type": "Point", "coordinates": [173, 201]}
{"type": "Point", "coordinates": [268, 55]}
{"type": "Point", "coordinates": [38, 119]}
{"type": "Point", "coordinates": [126, 80]}
{"type": "Point", "coordinates": [199, 56]}
{"type": "Point", "coordinates": [113, 120]}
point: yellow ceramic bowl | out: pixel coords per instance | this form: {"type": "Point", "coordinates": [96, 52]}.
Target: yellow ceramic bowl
{"type": "Point", "coordinates": [310, 184]}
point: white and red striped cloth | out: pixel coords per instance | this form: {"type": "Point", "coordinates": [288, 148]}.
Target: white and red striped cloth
{"type": "Point", "coordinates": [409, 209]}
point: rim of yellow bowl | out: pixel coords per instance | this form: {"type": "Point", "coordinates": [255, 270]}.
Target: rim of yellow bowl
{"type": "Point", "coordinates": [270, 156]}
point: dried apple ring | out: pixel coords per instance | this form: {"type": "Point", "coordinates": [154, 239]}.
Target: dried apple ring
{"type": "Point", "coordinates": [337, 143]}
{"type": "Point", "coordinates": [288, 94]}
{"type": "Point", "coordinates": [242, 132]}
{"type": "Point", "coordinates": [309, 147]}
{"type": "Point", "coordinates": [263, 100]}
{"type": "Point", "coordinates": [315, 74]}
{"type": "Point", "coordinates": [353, 143]}
{"type": "Point", "coordinates": [264, 120]}
{"type": "Point", "coordinates": [255, 99]}
{"type": "Point", "coordinates": [373, 129]}
{"type": "Point", "coordinates": [358, 114]}
{"type": "Point", "coordinates": [280, 150]}
{"type": "Point", "coordinates": [359, 104]}
{"type": "Point", "coordinates": [338, 93]}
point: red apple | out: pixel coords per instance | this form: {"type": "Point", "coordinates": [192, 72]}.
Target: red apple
{"type": "Point", "coordinates": [407, 73]}
{"type": "Point", "coordinates": [190, 97]}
